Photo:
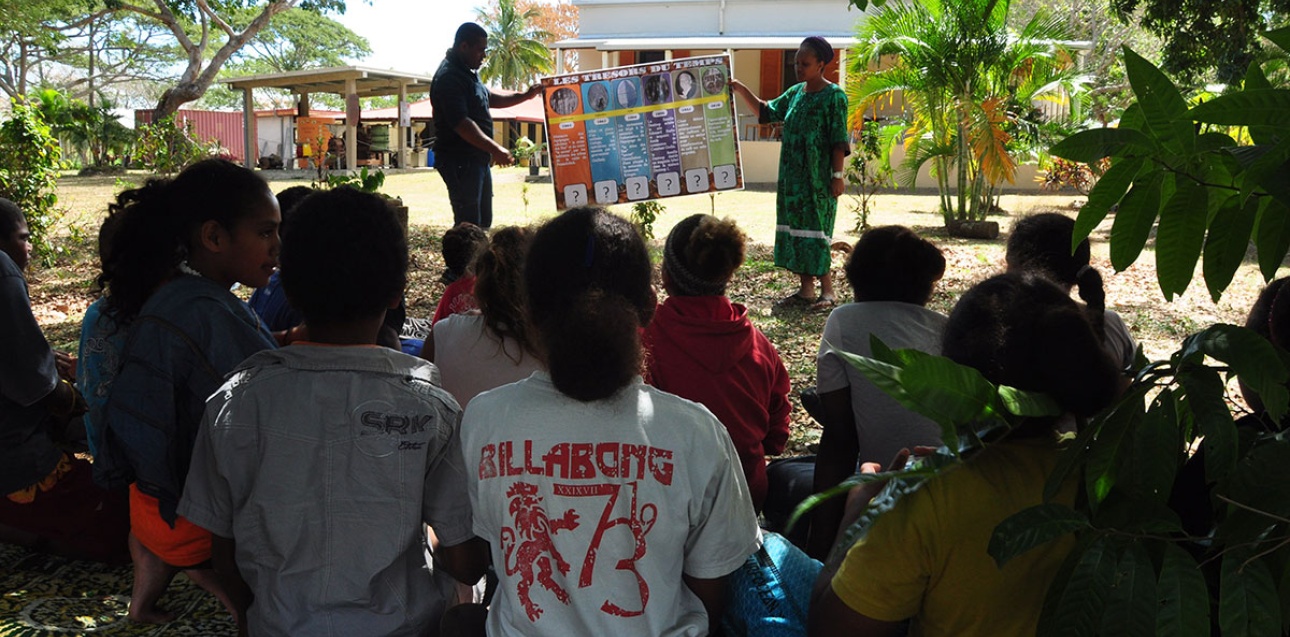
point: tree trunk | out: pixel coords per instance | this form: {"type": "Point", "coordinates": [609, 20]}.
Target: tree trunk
{"type": "Point", "coordinates": [177, 96]}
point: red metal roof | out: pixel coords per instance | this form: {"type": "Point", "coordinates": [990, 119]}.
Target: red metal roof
{"type": "Point", "coordinates": [526, 111]}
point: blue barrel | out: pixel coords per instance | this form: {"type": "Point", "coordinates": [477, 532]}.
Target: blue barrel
{"type": "Point", "coordinates": [429, 158]}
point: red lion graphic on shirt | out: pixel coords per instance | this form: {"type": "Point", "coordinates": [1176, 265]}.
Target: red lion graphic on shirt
{"type": "Point", "coordinates": [533, 530]}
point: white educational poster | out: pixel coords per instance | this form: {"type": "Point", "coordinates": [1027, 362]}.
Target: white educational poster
{"type": "Point", "coordinates": [647, 131]}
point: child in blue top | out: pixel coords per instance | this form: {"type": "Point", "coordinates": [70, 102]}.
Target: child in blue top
{"type": "Point", "coordinates": [179, 246]}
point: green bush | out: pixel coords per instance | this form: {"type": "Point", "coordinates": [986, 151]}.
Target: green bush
{"type": "Point", "coordinates": [29, 168]}
{"type": "Point", "coordinates": [165, 147]}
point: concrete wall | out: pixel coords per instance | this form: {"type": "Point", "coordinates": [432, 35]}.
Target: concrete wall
{"type": "Point", "coordinates": [599, 18]}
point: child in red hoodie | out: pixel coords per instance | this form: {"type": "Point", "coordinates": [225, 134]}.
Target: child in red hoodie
{"type": "Point", "coordinates": [703, 347]}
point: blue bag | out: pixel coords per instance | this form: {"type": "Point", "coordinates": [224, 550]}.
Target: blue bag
{"type": "Point", "coordinates": [770, 594]}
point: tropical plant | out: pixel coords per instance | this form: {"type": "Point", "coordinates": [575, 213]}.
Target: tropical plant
{"type": "Point", "coordinates": [29, 172]}
{"type": "Point", "coordinates": [868, 170]}
{"type": "Point", "coordinates": [644, 213]}
{"type": "Point", "coordinates": [966, 81]}
{"type": "Point", "coordinates": [362, 180]}
{"type": "Point", "coordinates": [516, 53]}
{"type": "Point", "coordinates": [98, 137]}
{"type": "Point", "coordinates": [1185, 167]}
{"type": "Point", "coordinates": [166, 147]}
{"type": "Point", "coordinates": [1182, 524]}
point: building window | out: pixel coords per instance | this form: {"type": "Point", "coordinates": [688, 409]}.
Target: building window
{"type": "Point", "coordinates": [647, 57]}
{"type": "Point", "coordinates": [788, 76]}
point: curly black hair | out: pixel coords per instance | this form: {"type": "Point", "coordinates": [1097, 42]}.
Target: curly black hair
{"type": "Point", "coordinates": [892, 263]}
{"type": "Point", "coordinates": [344, 256]}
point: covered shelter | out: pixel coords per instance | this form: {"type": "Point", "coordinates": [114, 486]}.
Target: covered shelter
{"type": "Point", "coordinates": [350, 82]}
{"type": "Point", "coordinates": [524, 119]}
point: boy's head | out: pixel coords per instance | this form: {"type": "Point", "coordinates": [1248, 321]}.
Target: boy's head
{"type": "Point", "coordinates": [288, 199]}
{"type": "Point", "coordinates": [461, 244]}
{"type": "Point", "coordinates": [892, 263]}
{"type": "Point", "coordinates": [15, 240]}
{"type": "Point", "coordinates": [701, 254]}
{"type": "Point", "coordinates": [344, 257]}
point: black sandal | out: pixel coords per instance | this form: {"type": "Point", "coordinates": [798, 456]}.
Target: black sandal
{"type": "Point", "coordinates": [794, 300]}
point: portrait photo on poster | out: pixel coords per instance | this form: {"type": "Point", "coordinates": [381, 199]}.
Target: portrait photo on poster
{"type": "Point", "coordinates": [657, 89]}
{"type": "Point", "coordinates": [714, 80]}
{"type": "Point", "coordinates": [686, 87]}
{"type": "Point", "coordinates": [597, 97]}
{"type": "Point", "coordinates": [564, 101]}
{"type": "Point", "coordinates": [627, 92]}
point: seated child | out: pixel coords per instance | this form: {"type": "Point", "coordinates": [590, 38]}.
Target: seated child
{"type": "Point", "coordinates": [927, 558]}
{"type": "Point", "coordinates": [892, 271]}
{"type": "Point", "coordinates": [317, 464]}
{"type": "Point", "coordinates": [1042, 244]}
{"type": "Point", "coordinates": [702, 347]}
{"type": "Point", "coordinates": [268, 301]}
{"type": "Point", "coordinates": [489, 347]}
{"type": "Point", "coordinates": [47, 497]}
{"type": "Point", "coordinates": [179, 247]}
{"type": "Point", "coordinates": [611, 507]}
{"type": "Point", "coordinates": [461, 245]}
{"type": "Point", "coordinates": [99, 353]}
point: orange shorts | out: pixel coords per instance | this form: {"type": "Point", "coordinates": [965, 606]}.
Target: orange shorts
{"type": "Point", "coordinates": [183, 546]}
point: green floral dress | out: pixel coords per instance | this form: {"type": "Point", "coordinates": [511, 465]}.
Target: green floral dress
{"type": "Point", "coordinates": [814, 124]}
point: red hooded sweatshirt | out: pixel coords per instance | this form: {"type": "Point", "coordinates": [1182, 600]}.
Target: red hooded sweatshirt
{"type": "Point", "coordinates": [705, 349]}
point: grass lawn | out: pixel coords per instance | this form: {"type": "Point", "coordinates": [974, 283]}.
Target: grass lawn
{"type": "Point", "coordinates": [60, 293]}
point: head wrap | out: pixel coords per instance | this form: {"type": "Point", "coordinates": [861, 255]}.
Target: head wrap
{"type": "Point", "coordinates": [821, 47]}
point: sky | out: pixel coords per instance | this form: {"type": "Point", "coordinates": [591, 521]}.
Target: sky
{"type": "Point", "coordinates": [407, 35]}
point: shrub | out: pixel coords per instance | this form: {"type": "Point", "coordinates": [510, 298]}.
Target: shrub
{"type": "Point", "coordinates": [29, 172]}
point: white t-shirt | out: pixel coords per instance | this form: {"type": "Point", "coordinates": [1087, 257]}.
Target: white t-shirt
{"type": "Point", "coordinates": [1119, 343]}
{"type": "Point", "coordinates": [883, 426]}
{"type": "Point", "coordinates": [595, 510]}
{"type": "Point", "coordinates": [471, 360]}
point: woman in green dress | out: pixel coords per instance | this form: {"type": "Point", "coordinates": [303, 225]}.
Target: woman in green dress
{"type": "Point", "coordinates": [814, 145]}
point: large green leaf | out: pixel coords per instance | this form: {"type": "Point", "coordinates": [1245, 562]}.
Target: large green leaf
{"type": "Point", "coordinates": [1270, 171]}
{"type": "Point", "coordinates": [1226, 243]}
{"type": "Point", "coordinates": [1272, 236]}
{"type": "Point", "coordinates": [1280, 37]}
{"type": "Point", "coordinates": [1104, 451]}
{"type": "Point", "coordinates": [1256, 79]}
{"type": "Point", "coordinates": [1156, 451]}
{"type": "Point", "coordinates": [1162, 104]}
{"type": "Point", "coordinates": [1131, 607]}
{"type": "Point", "coordinates": [1107, 192]}
{"type": "Point", "coordinates": [1032, 527]}
{"type": "Point", "coordinates": [1184, 600]}
{"type": "Point", "coordinates": [1134, 219]}
{"type": "Point", "coordinates": [1260, 485]}
{"type": "Point", "coordinates": [1252, 358]}
{"type": "Point", "coordinates": [1021, 402]}
{"type": "Point", "coordinates": [1180, 237]}
{"type": "Point", "coordinates": [1257, 107]}
{"type": "Point", "coordinates": [1094, 144]}
{"type": "Point", "coordinates": [948, 393]}
{"type": "Point", "coordinates": [1078, 611]}
{"type": "Point", "coordinates": [1204, 396]}
{"type": "Point", "coordinates": [1247, 601]}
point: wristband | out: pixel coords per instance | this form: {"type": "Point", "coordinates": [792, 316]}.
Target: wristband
{"type": "Point", "coordinates": [838, 174]}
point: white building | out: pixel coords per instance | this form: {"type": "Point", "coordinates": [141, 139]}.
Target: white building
{"type": "Point", "coordinates": [760, 36]}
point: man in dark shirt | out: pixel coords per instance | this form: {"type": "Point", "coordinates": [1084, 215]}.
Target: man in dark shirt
{"type": "Point", "coordinates": [464, 147]}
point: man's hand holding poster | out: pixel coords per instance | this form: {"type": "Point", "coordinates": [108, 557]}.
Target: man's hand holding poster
{"type": "Point", "coordinates": [647, 131]}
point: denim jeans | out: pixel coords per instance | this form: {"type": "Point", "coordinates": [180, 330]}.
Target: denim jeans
{"type": "Point", "coordinates": [470, 187]}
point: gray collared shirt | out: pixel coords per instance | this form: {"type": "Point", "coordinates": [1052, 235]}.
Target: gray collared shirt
{"type": "Point", "coordinates": [322, 463]}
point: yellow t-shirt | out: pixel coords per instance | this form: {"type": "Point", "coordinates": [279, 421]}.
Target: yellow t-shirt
{"type": "Point", "coordinates": [926, 558]}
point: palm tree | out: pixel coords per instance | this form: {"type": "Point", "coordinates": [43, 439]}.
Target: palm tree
{"type": "Point", "coordinates": [965, 80]}
{"type": "Point", "coordinates": [516, 54]}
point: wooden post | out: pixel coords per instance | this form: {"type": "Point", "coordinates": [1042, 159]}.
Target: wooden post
{"type": "Point", "coordinates": [353, 111]}
{"type": "Point", "coordinates": [398, 126]}
{"type": "Point", "coordinates": [248, 129]}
